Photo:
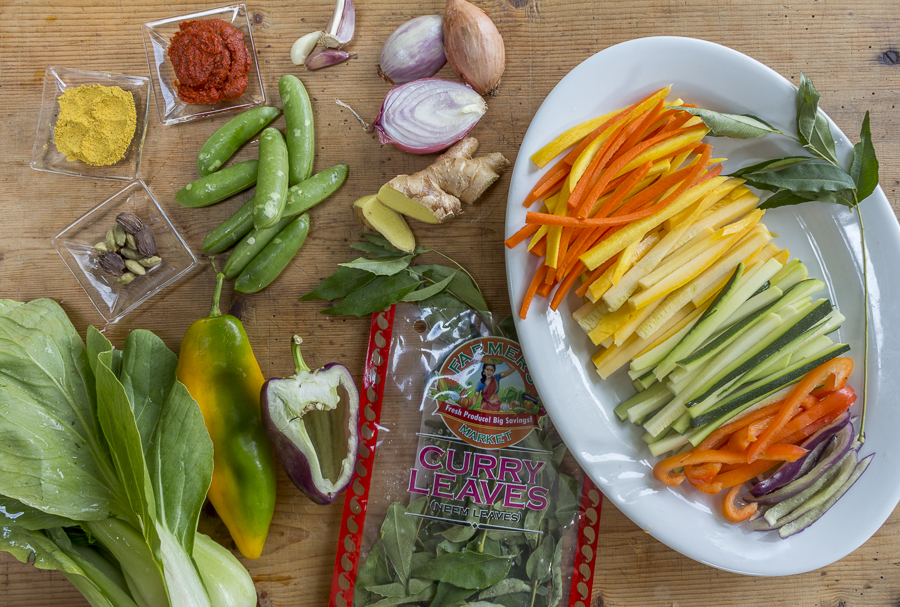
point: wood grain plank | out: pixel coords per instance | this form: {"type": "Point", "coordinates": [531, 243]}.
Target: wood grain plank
{"type": "Point", "coordinates": [840, 44]}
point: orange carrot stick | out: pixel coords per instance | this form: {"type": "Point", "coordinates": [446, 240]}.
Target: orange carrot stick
{"type": "Point", "coordinates": [521, 235]}
{"type": "Point", "coordinates": [616, 166]}
{"type": "Point", "coordinates": [566, 284]}
{"type": "Point", "coordinates": [599, 161]}
{"type": "Point", "coordinates": [545, 288]}
{"type": "Point", "coordinates": [540, 249]}
{"type": "Point", "coordinates": [641, 130]}
{"type": "Point", "coordinates": [548, 180]}
{"type": "Point", "coordinates": [588, 238]}
{"type": "Point", "coordinates": [556, 220]}
{"type": "Point", "coordinates": [532, 288]}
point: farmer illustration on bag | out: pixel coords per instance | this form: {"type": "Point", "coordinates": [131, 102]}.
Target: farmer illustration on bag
{"type": "Point", "coordinates": [489, 386]}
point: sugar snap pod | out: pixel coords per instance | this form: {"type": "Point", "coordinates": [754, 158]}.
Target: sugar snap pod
{"type": "Point", "coordinates": [275, 256]}
{"type": "Point", "coordinates": [299, 128]}
{"type": "Point", "coordinates": [272, 183]}
{"type": "Point", "coordinates": [312, 419]}
{"type": "Point", "coordinates": [222, 144]}
{"type": "Point", "coordinates": [218, 186]}
{"type": "Point", "coordinates": [300, 198]}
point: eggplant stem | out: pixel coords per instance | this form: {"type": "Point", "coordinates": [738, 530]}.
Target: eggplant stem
{"type": "Point", "coordinates": [299, 365]}
{"type": "Point", "coordinates": [217, 294]}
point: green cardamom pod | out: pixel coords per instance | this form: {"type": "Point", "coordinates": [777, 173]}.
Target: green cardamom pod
{"type": "Point", "coordinates": [135, 267]}
{"type": "Point", "coordinates": [126, 279]}
{"type": "Point", "coordinates": [129, 253]}
{"type": "Point", "coordinates": [119, 234]}
{"type": "Point", "coordinates": [150, 262]}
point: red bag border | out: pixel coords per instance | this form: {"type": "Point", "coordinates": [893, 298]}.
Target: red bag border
{"type": "Point", "coordinates": [356, 498]}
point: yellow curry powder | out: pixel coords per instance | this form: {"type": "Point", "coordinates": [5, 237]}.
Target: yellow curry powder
{"type": "Point", "coordinates": [95, 125]}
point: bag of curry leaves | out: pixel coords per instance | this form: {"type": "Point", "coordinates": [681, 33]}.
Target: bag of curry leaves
{"type": "Point", "coordinates": [473, 497]}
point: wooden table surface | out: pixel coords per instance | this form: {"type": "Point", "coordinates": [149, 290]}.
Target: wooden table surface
{"type": "Point", "coordinates": [846, 46]}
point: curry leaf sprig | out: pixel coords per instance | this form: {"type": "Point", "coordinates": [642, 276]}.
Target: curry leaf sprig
{"type": "Point", "coordinates": [387, 276]}
{"type": "Point", "coordinates": [798, 179]}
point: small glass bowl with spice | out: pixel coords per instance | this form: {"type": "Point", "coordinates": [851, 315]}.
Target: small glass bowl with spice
{"type": "Point", "coordinates": [92, 124]}
{"type": "Point", "coordinates": [203, 64]}
{"type": "Point", "coordinates": [124, 251]}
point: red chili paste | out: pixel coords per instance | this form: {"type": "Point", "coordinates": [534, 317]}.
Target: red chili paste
{"type": "Point", "coordinates": [211, 61]}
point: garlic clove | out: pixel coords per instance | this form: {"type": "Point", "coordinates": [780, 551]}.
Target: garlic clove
{"type": "Point", "coordinates": [325, 57]}
{"type": "Point", "coordinates": [303, 46]}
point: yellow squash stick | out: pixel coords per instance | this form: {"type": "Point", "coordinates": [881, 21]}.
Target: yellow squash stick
{"type": "Point", "coordinates": [635, 230]}
{"type": "Point", "coordinates": [555, 232]}
{"type": "Point", "coordinates": [550, 203]}
{"type": "Point", "coordinates": [632, 254]}
{"type": "Point", "coordinates": [615, 357]}
{"type": "Point", "coordinates": [609, 324]}
{"type": "Point", "coordinates": [695, 266]}
{"type": "Point", "coordinates": [634, 321]}
{"type": "Point", "coordinates": [580, 131]}
{"type": "Point", "coordinates": [664, 148]}
{"type": "Point", "coordinates": [619, 294]}
{"type": "Point", "coordinates": [590, 152]}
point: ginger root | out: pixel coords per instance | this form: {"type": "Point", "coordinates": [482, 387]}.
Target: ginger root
{"type": "Point", "coordinates": [390, 224]}
{"type": "Point", "coordinates": [433, 194]}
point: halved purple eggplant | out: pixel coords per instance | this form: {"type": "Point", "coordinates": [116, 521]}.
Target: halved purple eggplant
{"type": "Point", "coordinates": [790, 471]}
{"type": "Point", "coordinates": [312, 419]}
{"type": "Point", "coordinates": [838, 446]}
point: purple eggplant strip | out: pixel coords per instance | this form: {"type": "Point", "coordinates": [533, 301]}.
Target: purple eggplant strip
{"type": "Point", "coordinates": [837, 448]}
{"type": "Point", "coordinates": [785, 511]}
{"type": "Point", "coordinates": [815, 514]}
{"type": "Point", "coordinates": [793, 470]}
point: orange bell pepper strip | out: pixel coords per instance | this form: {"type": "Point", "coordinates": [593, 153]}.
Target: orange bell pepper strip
{"type": "Point", "coordinates": [662, 471]}
{"type": "Point", "coordinates": [738, 476]}
{"type": "Point", "coordinates": [830, 406]}
{"type": "Point", "coordinates": [731, 513]}
{"type": "Point", "coordinates": [742, 438]}
{"type": "Point", "coordinates": [702, 473]}
{"type": "Point", "coordinates": [832, 373]}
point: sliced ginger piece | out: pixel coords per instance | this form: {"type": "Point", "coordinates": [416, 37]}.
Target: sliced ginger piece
{"type": "Point", "coordinates": [420, 211]}
{"type": "Point", "coordinates": [436, 194]}
{"type": "Point", "coordinates": [369, 211]}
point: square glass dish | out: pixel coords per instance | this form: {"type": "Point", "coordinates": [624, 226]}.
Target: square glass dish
{"type": "Point", "coordinates": [46, 157]}
{"type": "Point", "coordinates": [170, 108]}
{"type": "Point", "coordinates": [76, 243]}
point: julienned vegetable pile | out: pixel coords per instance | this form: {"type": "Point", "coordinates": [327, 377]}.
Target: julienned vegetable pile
{"type": "Point", "coordinates": [105, 467]}
{"type": "Point", "coordinates": [682, 282]}
{"type": "Point", "coordinates": [269, 229]}
{"type": "Point", "coordinates": [810, 430]}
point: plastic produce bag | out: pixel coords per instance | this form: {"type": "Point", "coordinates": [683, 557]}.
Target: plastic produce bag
{"type": "Point", "coordinates": [463, 493]}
